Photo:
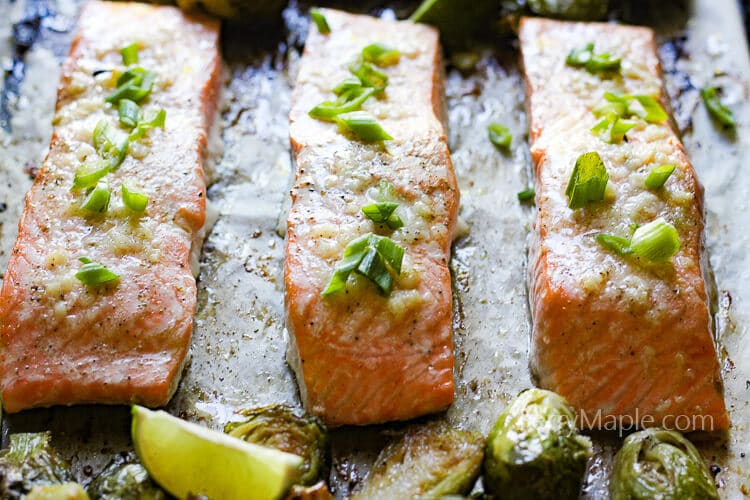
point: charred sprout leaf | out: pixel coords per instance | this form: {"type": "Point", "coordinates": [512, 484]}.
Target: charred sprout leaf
{"type": "Point", "coordinates": [318, 491]}
{"type": "Point", "coordinates": [286, 429]}
{"type": "Point", "coordinates": [67, 491]}
{"type": "Point", "coordinates": [124, 478]}
{"type": "Point", "coordinates": [656, 463]}
{"type": "Point", "coordinates": [581, 10]}
{"type": "Point", "coordinates": [30, 461]}
{"type": "Point", "coordinates": [426, 463]}
{"type": "Point", "coordinates": [534, 450]}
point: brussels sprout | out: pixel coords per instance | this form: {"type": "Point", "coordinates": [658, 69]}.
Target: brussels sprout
{"type": "Point", "coordinates": [318, 491]}
{"type": "Point", "coordinates": [30, 461]}
{"type": "Point", "coordinates": [125, 479]}
{"type": "Point", "coordinates": [248, 11]}
{"type": "Point", "coordinates": [579, 10]}
{"type": "Point", "coordinates": [286, 429]}
{"type": "Point", "coordinates": [534, 450]}
{"type": "Point", "coordinates": [67, 491]}
{"type": "Point", "coordinates": [656, 463]}
{"type": "Point", "coordinates": [427, 463]}
{"type": "Point", "coordinates": [459, 21]}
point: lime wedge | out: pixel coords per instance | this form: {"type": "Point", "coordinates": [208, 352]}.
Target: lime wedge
{"type": "Point", "coordinates": [185, 458]}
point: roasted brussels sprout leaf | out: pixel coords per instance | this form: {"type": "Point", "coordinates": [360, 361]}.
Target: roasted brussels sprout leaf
{"type": "Point", "coordinates": [286, 429]}
{"type": "Point", "coordinates": [124, 478]}
{"type": "Point", "coordinates": [656, 463]}
{"type": "Point", "coordinates": [30, 461]}
{"type": "Point", "coordinates": [426, 463]}
{"type": "Point", "coordinates": [318, 491]}
{"type": "Point", "coordinates": [578, 10]}
{"type": "Point", "coordinates": [66, 491]}
{"type": "Point", "coordinates": [534, 450]}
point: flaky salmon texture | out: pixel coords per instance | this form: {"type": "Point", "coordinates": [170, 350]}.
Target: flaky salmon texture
{"type": "Point", "coordinates": [64, 342]}
{"type": "Point", "coordinates": [359, 357]}
{"type": "Point", "coordinates": [626, 343]}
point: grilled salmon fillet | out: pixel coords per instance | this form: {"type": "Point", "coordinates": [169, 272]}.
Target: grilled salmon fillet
{"type": "Point", "coordinates": [64, 342]}
{"type": "Point", "coordinates": [625, 342]}
{"type": "Point", "coordinates": [361, 357]}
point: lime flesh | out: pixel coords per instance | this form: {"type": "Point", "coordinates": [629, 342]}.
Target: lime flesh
{"type": "Point", "coordinates": [185, 458]}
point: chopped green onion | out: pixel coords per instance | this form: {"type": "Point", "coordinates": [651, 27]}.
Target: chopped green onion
{"type": "Point", "coordinates": [97, 200]}
{"type": "Point", "coordinates": [320, 21]}
{"type": "Point", "coordinates": [526, 196]}
{"type": "Point", "coordinates": [382, 213]}
{"type": "Point", "coordinates": [92, 273]}
{"type": "Point", "coordinates": [616, 244]}
{"type": "Point", "coordinates": [499, 135]}
{"type": "Point", "coordinates": [110, 143]}
{"type": "Point", "coordinates": [386, 191]}
{"type": "Point", "coordinates": [349, 84]}
{"type": "Point", "coordinates": [652, 110]}
{"type": "Point", "coordinates": [615, 128]}
{"type": "Point", "coordinates": [88, 174]}
{"type": "Point", "coordinates": [584, 57]}
{"type": "Point", "coordinates": [714, 106]}
{"type": "Point", "coordinates": [578, 57]}
{"type": "Point", "coordinates": [135, 84]}
{"type": "Point", "coordinates": [657, 241]}
{"type": "Point", "coordinates": [617, 108]}
{"type": "Point", "coordinates": [129, 54]}
{"type": "Point", "coordinates": [380, 55]}
{"type": "Point", "coordinates": [134, 198]}
{"type": "Point", "coordinates": [601, 63]}
{"type": "Point", "coordinates": [363, 125]}
{"type": "Point", "coordinates": [372, 256]}
{"type": "Point", "coordinates": [329, 110]}
{"type": "Point", "coordinates": [588, 181]}
{"type": "Point", "coordinates": [369, 75]}
{"type": "Point", "coordinates": [658, 176]}
{"type": "Point", "coordinates": [157, 121]}
{"type": "Point", "coordinates": [129, 113]}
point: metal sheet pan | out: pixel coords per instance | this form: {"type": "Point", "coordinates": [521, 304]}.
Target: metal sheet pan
{"type": "Point", "coordinates": [239, 340]}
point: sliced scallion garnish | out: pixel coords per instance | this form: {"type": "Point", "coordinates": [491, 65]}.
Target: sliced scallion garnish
{"type": "Point", "coordinates": [129, 113]}
{"type": "Point", "coordinates": [93, 274]}
{"type": "Point", "coordinates": [584, 57]}
{"type": "Point", "coordinates": [157, 121]}
{"type": "Point", "coordinates": [588, 181]}
{"type": "Point", "coordinates": [373, 256]}
{"type": "Point", "coordinates": [133, 198]}
{"type": "Point", "coordinates": [657, 241]}
{"type": "Point", "coordinates": [578, 57]}
{"type": "Point", "coordinates": [110, 143]}
{"type": "Point", "coordinates": [612, 129]}
{"type": "Point", "coordinates": [349, 84]}
{"type": "Point", "coordinates": [369, 75]}
{"type": "Point", "coordinates": [134, 84]}
{"type": "Point", "coordinates": [526, 196]}
{"type": "Point", "coordinates": [129, 54]}
{"type": "Point", "coordinates": [382, 213]}
{"type": "Point", "coordinates": [650, 110]}
{"type": "Point", "coordinates": [329, 110]}
{"type": "Point", "coordinates": [362, 125]}
{"type": "Point", "coordinates": [614, 243]}
{"type": "Point", "coordinates": [381, 55]}
{"type": "Point", "coordinates": [320, 21]}
{"type": "Point", "coordinates": [714, 106]}
{"type": "Point", "coordinates": [658, 176]}
{"type": "Point", "coordinates": [88, 174]}
{"type": "Point", "coordinates": [499, 135]}
{"type": "Point", "coordinates": [97, 199]}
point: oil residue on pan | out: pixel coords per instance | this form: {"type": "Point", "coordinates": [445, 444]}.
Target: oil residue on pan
{"type": "Point", "coordinates": [239, 341]}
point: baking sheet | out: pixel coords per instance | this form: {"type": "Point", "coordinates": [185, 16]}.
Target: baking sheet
{"type": "Point", "coordinates": [239, 341]}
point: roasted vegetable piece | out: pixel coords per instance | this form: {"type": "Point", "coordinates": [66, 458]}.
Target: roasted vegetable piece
{"type": "Point", "coordinates": [286, 429]}
{"type": "Point", "coordinates": [30, 461]}
{"type": "Point", "coordinates": [242, 11]}
{"type": "Point", "coordinates": [534, 450]}
{"type": "Point", "coordinates": [124, 478]}
{"type": "Point", "coordinates": [459, 21]}
{"type": "Point", "coordinates": [67, 491]}
{"type": "Point", "coordinates": [656, 463]}
{"type": "Point", "coordinates": [427, 463]}
{"type": "Point", "coordinates": [578, 10]}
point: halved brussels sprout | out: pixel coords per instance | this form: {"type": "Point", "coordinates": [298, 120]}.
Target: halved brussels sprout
{"type": "Point", "coordinates": [534, 450]}
{"type": "Point", "coordinates": [656, 463]}
{"type": "Point", "coordinates": [30, 461]}
{"type": "Point", "coordinates": [124, 478]}
{"type": "Point", "coordinates": [427, 463]}
{"type": "Point", "coordinates": [286, 429]}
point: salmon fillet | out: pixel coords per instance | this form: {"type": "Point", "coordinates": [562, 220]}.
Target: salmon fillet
{"type": "Point", "coordinates": [359, 357]}
{"type": "Point", "coordinates": [625, 343]}
{"type": "Point", "coordinates": [64, 342]}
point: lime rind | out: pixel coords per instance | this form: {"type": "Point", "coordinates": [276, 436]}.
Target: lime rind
{"type": "Point", "coordinates": [187, 459]}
